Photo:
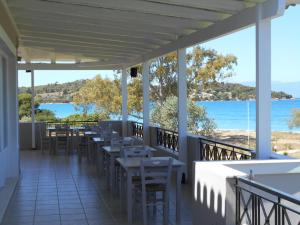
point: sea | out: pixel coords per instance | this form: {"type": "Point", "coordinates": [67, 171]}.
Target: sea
{"type": "Point", "coordinates": [228, 115]}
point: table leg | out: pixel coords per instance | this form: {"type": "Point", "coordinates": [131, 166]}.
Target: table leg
{"type": "Point", "coordinates": [111, 172]}
{"type": "Point", "coordinates": [178, 195]}
{"type": "Point", "coordinates": [129, 197]}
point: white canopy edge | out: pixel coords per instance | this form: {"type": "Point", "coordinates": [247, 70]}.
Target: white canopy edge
{"type": "Point", "coordinates": [242, 20]}
{"type": "Point", "coordinates": [68, 66]}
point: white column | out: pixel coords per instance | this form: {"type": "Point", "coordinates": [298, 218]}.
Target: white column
{"type": "Point", "coordinates": [146, 112]}
{"type": "Point", "coordinates": [263, 86]}
{"type": "Point", "coordinates": [124, 101]}
{"type": "Point", "coordinates": [182, 105]}
{"type": "Point", "coordinates": [33, 145]}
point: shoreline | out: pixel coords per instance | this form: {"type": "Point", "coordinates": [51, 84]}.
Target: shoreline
{"type": "Point", "coordinates": [253, 131]}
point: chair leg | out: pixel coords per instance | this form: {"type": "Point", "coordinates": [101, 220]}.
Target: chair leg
{"type": "Point", "coordinates": [166, 208]}
{"type": "Point", "coordinates": [144, 205]}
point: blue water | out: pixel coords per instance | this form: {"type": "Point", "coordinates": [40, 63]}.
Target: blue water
{"type": "Point", "coordinates": [238, 115]}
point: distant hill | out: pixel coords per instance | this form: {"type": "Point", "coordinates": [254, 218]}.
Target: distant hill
{"type": "Point", "coordinates": [234, 91]}
{"type": "Point", "coordinates": [292, 88]}
{"type": "Point", "coordinates": [56, 92]}
{"type": "Point", "coordinates": [63, 93]}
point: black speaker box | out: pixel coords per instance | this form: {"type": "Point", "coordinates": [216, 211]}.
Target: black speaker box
{"type": "Point", "coordinates": [133, 71]}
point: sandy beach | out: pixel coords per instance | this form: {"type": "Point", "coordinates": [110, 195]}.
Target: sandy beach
{"type": "Point", "coordinates": [282, 142]}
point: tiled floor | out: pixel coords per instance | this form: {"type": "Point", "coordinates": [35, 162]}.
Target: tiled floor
{"type": "Point", "coordinates": [59, 190]}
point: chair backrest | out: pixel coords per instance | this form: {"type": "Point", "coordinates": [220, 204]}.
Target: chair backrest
{"type": "Point", "coordinates": [156, 171]}
{"type": "Point", "coordinates": [135, 151]}
{"type": "Point", "coordinates": [115, 142]}
{"type": "Point", "coordinates": [127, 142]}
{"type": "Point", "coordinates": [63, 132]}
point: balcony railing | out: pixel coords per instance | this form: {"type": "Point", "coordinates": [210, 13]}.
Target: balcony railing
{"type": "Point", "coordinates": [138, 129]}
{"type": "Point", "coordinates": [71, 124]}
{"type": "Point", "coordinates": [258, 204]}
{"type": "Point", "coordinates": [211, 150]}
{"type": "Point", "coordinates": [167, 139]}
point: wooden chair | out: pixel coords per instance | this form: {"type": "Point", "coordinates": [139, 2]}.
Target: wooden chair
{"type": "Point", "coordinates": [155, 178]}
{"type": "Point", "coordinates": [135, 151]}
{"type": "Point", "coordinates": [62, 140]}
{"type": "Point", "coordinates": [44, 139]}
{"type": "Point", "coordinates": [83, 145]}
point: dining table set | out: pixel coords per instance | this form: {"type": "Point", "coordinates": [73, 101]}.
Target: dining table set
{"type": "Point", "coordinates": [123, 173]}
{"type": "Point", "coordinates": [133, 171]}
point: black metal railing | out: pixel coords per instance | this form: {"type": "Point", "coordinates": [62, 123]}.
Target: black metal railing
{"type": "Point", "coordinates": [211, 150]}
{"type": "Point", "coordinates": [167, 139]}
{"type": "Point", "coordinates": [138, 129]}
{"type": "Point", "coordinates": [258, 204]}
{"type": "Point", "coordinates": [71, 124]}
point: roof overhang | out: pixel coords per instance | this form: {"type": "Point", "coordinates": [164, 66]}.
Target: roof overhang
{"type": "Point", "coordinates": [120, 33]}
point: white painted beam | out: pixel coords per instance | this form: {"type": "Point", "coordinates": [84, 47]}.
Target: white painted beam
{"type": "Point", "coordinates": [33, 133]}
{"type": "Point", "coordinates": [104, 24]}
{"type": "Point", "coordinates": [29, 66]}
{"type": "Point", "coordinates": [80, 48]}
{"type": "Point", "coordinates": [229, 6]}
{"type": "Point", "coordinates": [154, 8]}
{"type": "Point", "coordinates": [76, 41]}
{"type": "Point", "coordinates": [65, 34]}
{"type": "Point", "coordinates": [182, 105]}
{"type": "Point", "coordinates": [33, 22]}
{"type": "Point", "coordinates": [146, 102]}
{"type": "Point", "coordinates": [124, 101]}
{"type": "Point", "coordinates": [263, 86]}
{"type": "Point", "coordinates": [102, 13]}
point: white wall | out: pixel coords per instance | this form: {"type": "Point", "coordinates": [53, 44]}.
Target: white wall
{"type": "Point", "coordinates": [9, 147]}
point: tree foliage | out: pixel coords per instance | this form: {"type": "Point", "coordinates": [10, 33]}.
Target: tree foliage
{"type": "Point", "coordinates": [106, 95]}
{"type": "Point", "coordinates": [204, 67]}
{"type": "Point", "coordinates": [25, 105]}
{"type": "Point", "coordinates": [88, 117]}
{"type": "Point", "coordinates": [25, 109]}
{"type": "Point", "coordinates": [45, 115]}
{"type": "Point", "coordinates": [198, 121]}
{"type": "Point", "coordinates": [294, 122]}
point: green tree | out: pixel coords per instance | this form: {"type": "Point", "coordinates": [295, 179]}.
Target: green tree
{"type": "Point", "coordinates": [25, 109]}
{"type": "Point", "coordinates": [89, 117]}
{"type": "Point", "coordinates": [45, 116]}
{"type": "Point", "coordinates": [103, 92]}
{"type": "Point", "coordinates": [295, 119]}
{"type": "Point", "coordinates": [25, 105]}
{"type": "Point", "coordinates": [106, 95]}
{"type": "Point", "coordinates": [204, 68]}
{"type": "Point", "coordinates": [198, 121]}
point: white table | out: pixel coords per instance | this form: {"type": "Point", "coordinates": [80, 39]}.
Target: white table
{"type": "Point", "coordinates": [132, 166]}
{"type": "Point", "coordinates": [113, 153]}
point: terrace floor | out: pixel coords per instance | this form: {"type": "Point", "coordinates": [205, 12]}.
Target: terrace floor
{"type": "Point", "coordinates": [58, 190]}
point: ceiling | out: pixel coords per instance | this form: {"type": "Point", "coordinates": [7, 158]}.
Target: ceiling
{"type": "Point", "coordinates": [115, 32]}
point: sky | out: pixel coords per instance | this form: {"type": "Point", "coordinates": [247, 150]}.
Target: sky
{"type": "Point", "coordinates": [285, 55]}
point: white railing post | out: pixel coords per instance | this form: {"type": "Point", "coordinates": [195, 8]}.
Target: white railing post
{"type": "Point", "coordinates": [33, 144]}
{"type": "Point", "coordinates": [124, 102]}
{"type": "Point", "coordinates": [146, 112]}
{"type": "Point", "coordinates": [263, 86]}
{"type": "Point", "coordinates": [182, 105]}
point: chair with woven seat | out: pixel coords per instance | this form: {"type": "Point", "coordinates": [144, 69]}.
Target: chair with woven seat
{"type": "Point", "coordinates": [82, 147]}
{"type": "Point", "coordinates": [45, 141]}
{"type": "Point", "coordinates": [135, 151]}
{"type": "Point", "coordinates": [62, 140]}
{"type": "Point", "coordinates": [155, 178]}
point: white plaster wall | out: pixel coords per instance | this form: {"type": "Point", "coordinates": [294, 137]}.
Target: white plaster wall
{"type": "Point", "coordinates": [217, 179]}
{"type": "Point", "coordinates": [9, 156]}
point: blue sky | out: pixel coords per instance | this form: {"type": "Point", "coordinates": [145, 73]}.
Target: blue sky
{"type": "Point", "coordinates": [285, 54]}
